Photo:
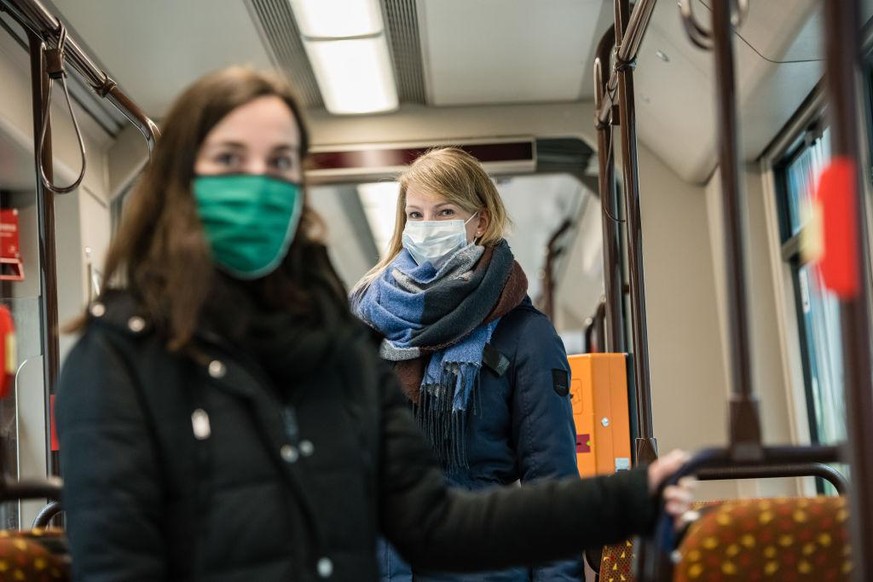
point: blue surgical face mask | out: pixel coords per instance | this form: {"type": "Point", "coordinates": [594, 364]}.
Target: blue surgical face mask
{"type": "Point", "coordinates": [249, 220]}
{"type": "Point", "coordinates": [434, 241]}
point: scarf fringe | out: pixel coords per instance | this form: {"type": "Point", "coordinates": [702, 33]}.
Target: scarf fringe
{"type": "Point", "coordinates": [444, 424]}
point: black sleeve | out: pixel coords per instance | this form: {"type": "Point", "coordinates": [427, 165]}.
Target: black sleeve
{"type": "Point", "coordinates": [435, 527]}
{"type": "Point", "coordinates": [112, 493]}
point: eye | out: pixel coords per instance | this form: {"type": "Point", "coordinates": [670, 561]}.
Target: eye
{"type": "Point", "coordinates": [413, 215]}
{"type": "Point", "coordinates": [282, 163]}
{"type": "Point", "coordinates": [447, 212]}
{"type": "Point", "coordinates": [228, 159]}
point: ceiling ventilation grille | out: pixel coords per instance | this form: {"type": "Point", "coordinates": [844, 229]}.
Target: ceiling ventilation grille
{"type": "Point", "coordinates": [279, 32]}
{"type": "Point", "coordinates": [401, 24]}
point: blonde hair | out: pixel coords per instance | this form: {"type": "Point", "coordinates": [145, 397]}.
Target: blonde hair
{"type": "Point", "coordinates": [455, 175]}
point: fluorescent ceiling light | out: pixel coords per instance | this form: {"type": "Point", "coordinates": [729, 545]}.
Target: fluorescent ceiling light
{"type": "Point", "coordinates": [379, 200]}
{"type": "Point", "coordinates": [355, 76]}
{"type": "Point", "coordinates": [337, 18]}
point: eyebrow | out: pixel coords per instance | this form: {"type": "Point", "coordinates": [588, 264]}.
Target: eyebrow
{"type": "Point", "coordinates": [440, 205]}
{"type": "Point", "coordinates": [241, 146]}
{"type": "Point", "coordinates": [288, 147]}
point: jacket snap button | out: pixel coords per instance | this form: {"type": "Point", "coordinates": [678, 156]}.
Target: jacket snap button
{"type": "Point", "coordinates": [325, 567]}
{"type": "Point", "coordinates": [289, 453]}
{"type": "Point", "coordinates": [217, 369]}
{"type": "Point", "coordinates": [98, 309]}
{"type": "Point", "coordinates": [200, 424]}
{"type": "Point", "coordinates": [136, 324]}
{"type": "Point", "coordinates": [306, 448]}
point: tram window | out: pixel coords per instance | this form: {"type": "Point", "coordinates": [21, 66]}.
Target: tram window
{"type": "Point", "coordinates": [817, 309]}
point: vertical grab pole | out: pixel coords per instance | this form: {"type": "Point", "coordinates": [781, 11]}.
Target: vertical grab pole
{"type": "Point", "coordinates": [843, 54]}
{"type": "Point", "coordinates": [613, 275]}
{"type": "Point", "coordinates": [45, 207]}
{"type": "Point", "coordinates": [745, 432]}
{"type": "Point", "coordinates": [646, 445]}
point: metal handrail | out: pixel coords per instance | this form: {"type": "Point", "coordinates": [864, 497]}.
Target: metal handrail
{"type": "Point", "coordinates": [613, 270]}
{"type": "Point", "coordinates": [46, 514]}
{"type": "Point", "coordinates": [646, 447]}
{"type": "Point", "coordinates": [630, 40]}
{"type": "Point", "coordinates": [821, 470]}
{"type": "Point", "coordinates": [637, 25]}
{"type": "Point", "coordinates": [697, 33]}
{"type": "Point", "coordinates": [745, 424]}
{"type": "Point", "coordinates": [548, 276]}
{"type": "Point", "coordinates": [843, 66]}
{"type": "Point", "coordinates": [593, 330]}
{"type": "Point", "coordinates": [30, 489]}
{"type": "Point", "coordinates": [33, 16]}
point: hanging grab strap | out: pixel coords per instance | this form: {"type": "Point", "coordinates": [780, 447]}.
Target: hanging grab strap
{"type": "Point", "coordinates": [54, 59]}
{"type": "Point", "coordinates": [697, 33]}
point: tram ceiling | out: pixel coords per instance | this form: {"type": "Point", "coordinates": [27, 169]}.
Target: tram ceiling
{"type": "Point", "coordinates": [450, 53]}
{"type": "Point", "coordinates": [445, 52]}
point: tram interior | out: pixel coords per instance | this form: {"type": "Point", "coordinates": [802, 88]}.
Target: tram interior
{"type": "Point", "coordinates": [488, 70]}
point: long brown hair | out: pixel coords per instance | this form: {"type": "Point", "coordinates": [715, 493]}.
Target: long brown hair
{"type": "Point", "coordinates": [452, 174]}
{"type": "Point", "coordinates": [160, 253]}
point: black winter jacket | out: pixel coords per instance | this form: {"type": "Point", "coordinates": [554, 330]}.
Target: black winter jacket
{"type": "Point", "coordinates": [182, 469]}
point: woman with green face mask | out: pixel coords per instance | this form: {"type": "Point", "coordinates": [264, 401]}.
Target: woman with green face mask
{"type": "Point", "coordinates": [225, 417]}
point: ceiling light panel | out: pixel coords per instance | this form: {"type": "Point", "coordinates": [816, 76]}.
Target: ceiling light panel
{"type": "Point", "coordinates": [355, 76]}
{"type": "Point", "coordinates": [337, 18]}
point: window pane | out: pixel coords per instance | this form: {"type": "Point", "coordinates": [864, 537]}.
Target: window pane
{"type": "Point", "coordinates": [821, 333]}
{"type": "Point", "coordinates": [802, 173]}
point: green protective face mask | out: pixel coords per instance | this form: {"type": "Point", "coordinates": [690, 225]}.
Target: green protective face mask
{"type": "Point", "coordinates": [249, 220]}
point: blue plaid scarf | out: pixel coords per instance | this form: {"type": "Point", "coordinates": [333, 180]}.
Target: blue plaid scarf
{"type": "Point", "coordinates": [436, 324]}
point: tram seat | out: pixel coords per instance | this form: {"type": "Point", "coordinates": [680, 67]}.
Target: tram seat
{"type": "Point", "coordinates": [794, 538]}
{"type": "Point", "coordinates": [753, 539]}
{"type": "Point", "coordinates": [617, 560]}
{"type": "Point", "coordinates": [36, 555]}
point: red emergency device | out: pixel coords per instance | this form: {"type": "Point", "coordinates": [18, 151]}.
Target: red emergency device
{"type": "Point", "coordinates": [10, 352]}
{"type": "Point", "coordinates": [837, 203]}
{"type": "Point", "coordinates": [11, 267]}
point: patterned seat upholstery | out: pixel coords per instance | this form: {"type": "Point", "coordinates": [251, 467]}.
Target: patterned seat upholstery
{"type": "Point", "coordinates": [34, 556]}
{"type": "Point", "coordinates": [784, 539]}
{"type": "Point", "coordinates": [616, 562]}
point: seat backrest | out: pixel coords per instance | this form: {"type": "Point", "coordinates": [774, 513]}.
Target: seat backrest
{"type": "Point", "coordinates": [768, 539]}
{"type": "Point", "coordinates": [36, 555]}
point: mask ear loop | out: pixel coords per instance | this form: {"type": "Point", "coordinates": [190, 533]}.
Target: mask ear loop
{"type": "Point", "coordinates": [478, 235]}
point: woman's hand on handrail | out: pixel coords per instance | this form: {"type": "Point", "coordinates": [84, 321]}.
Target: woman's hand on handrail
{"type": "Point", "coordinates": [677, 498]}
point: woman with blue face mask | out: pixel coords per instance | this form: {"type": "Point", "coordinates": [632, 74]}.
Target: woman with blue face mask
{"type": "Point", "coordinates": [225, 417]}
{"type": "Point", "coordinates": [485, 372]}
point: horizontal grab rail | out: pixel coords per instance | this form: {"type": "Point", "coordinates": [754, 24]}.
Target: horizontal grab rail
{"type": "Point", "coordinates": [767, 471]}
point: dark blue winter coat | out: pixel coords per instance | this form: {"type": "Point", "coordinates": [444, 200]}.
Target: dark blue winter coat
{"type": "Point", "coordinates": [523, 432]}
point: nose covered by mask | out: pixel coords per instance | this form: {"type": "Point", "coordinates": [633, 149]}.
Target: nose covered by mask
{"type": "Point", "coordinates": [249, 220]}
{"type": "Point", "coordinates": [434, 241]}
